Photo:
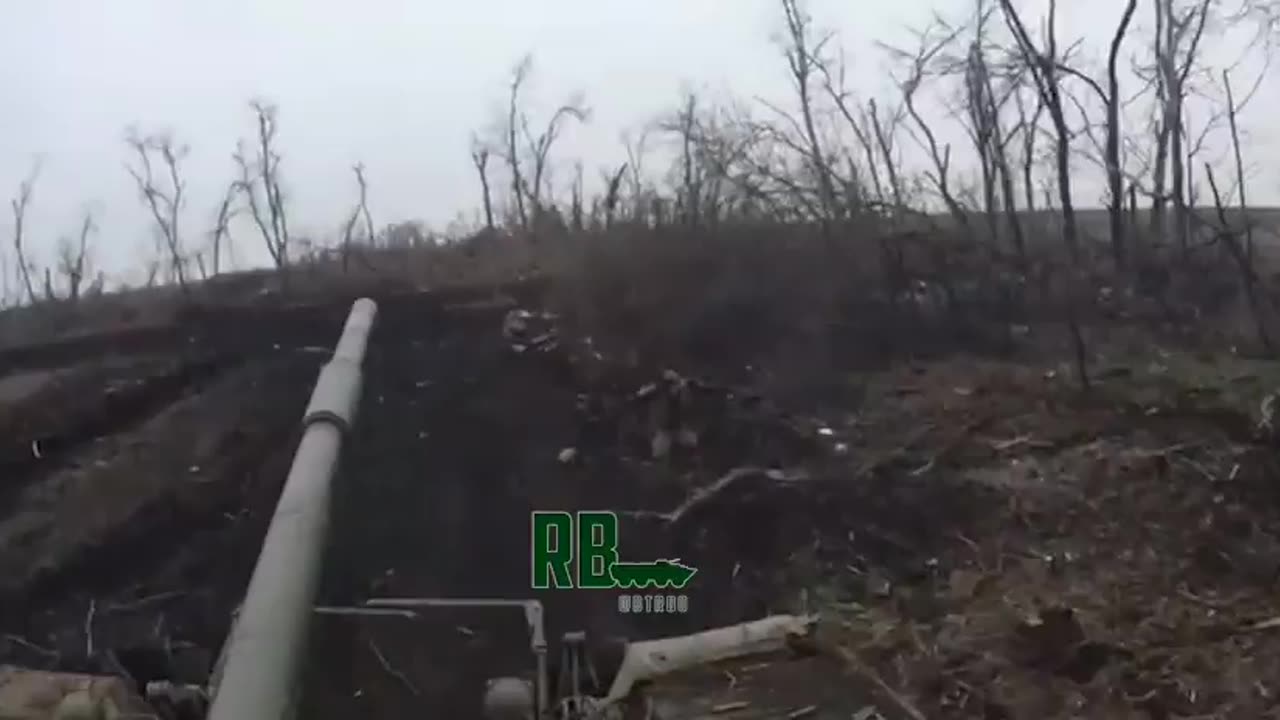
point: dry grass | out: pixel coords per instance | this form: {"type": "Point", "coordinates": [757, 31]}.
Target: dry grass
{"type": "Point", "coordinates": [1124, 568]}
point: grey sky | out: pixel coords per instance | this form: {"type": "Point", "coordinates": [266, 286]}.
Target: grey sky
{"type": "Point", "coordinates": [399, 85]}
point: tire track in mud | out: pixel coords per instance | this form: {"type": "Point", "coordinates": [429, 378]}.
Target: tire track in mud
{"type": "Point", "coordinates": [456, 442]}
{"type": "Point", "coordinates": [77, 406]}
{"type": "Point", "coordinates": [176, 506]}
{"type": "Point", "coordinates": [210, 432]}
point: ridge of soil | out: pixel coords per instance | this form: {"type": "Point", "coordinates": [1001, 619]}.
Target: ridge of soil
{"type": "Point", "coordinates": [982, 539]}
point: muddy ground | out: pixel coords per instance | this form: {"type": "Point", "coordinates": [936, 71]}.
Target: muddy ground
{"type": "Point", "coordinates": [982, 540]}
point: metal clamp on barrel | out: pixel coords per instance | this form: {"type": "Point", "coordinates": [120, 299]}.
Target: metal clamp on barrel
{"type": "Point", "coordinates": [337, 392]}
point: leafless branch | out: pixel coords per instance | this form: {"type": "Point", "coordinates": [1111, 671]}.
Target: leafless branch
{"type": "Point", "coordinates": [480, 153]}
{"type": "Point", "coordinates": [73, 257]}
{"type": "Point", "coordinates": [163, 198]}
{"type": "Point", "coordinates": [20, 204]}
{"type": "Point", "coordinates": [220, 235]}
{"type": "Point", "coordinates": [259, 183]}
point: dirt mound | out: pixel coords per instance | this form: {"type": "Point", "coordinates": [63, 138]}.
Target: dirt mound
{"type": "Point", "coordinates": [136, 490]}
{"type": "Point", "coordinates": [983, 539]}
{"type": "Point", "coordinates": [75, 405]}
{"type": "Point", "coordinates": [1123, 564]}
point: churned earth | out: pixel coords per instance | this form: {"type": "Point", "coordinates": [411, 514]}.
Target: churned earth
{"type": "Point", "coordinates": [980, 539]}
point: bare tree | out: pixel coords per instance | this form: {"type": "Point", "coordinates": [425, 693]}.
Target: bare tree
{"type": "Point", "coordinates": [348, 238]}
{"type": "Point", "coordinates": [539, 149]}
{"type": "Point", "coordinates": [1240, 254]}
{"type": "Point", "coordinates": [1178, 33]}
{"type": "Point", "coordinates": [363, 208]}
{"type": "Point", "coordinates": [480, 159]}
{"type": "Point", "coordinates": [358, 213]}
{"type": "Point", "coordinates": [1111, 101]}
{"type": "Point", "coordinates": [683, 125]}
{"type": "Point", "coordinates": [511, 136]}
{"type": "Point", "coordinates": [73, 257]}
{"type": "Point", "coordinates": [981, 117]}
{"type": "Point", "coordinates": [1244, 264]}
{"type": "Point", "coordinates": [984, 105]}
{"type": "Point", "coordinates": [633, 172]}
{"type": "Point", "coordinates": [49, 294]}
{"type": "Point", "coordinates": [932, 42]}
{"type": "Point", "coordinates": [259, 182]}
{"type": "Point", "coordinates": [1029, 129]}
{"type": "Point", "coordinates": [576, 211]}
{"type": "Point", "coordinates": [875, 134]}
{"type": "Point", "coordinates": [802, 52]}
{"type": "Point", "coordinates": [220, 235]}
{"type": "Point", "coordinates": [19, 206]}
{"type": "Point", "coordinates": [1115, 179]}
{"type": "Point", "coordinates": [613, 185]}
{"type": "Point", "coordinates": [6, 280]}
{"type": "Point", "coordinates": [1238, 156]}
{"type": "Point", "coordinates": [885, 131]}
{"type": "Point", "coordinates": [527, 151]}
{"type": "Point", "coordinates": [1044, 66]}
{"type": "Point", "coordinates": [153, 273]}
{"type": "Point", "coordinates": [164, 197]}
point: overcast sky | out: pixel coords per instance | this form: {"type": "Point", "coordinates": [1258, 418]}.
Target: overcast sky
{"type": "Point", "coordinates": [398, 85]}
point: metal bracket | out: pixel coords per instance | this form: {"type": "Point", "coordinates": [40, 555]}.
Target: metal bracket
{"type": "Point", "coordinates": [532, 617]}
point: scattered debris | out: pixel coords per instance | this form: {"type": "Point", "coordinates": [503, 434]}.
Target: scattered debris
{"type": "Point", "coordinates": [386, 665]}
{"type": "Point", "coordinates": [177, 701]}
{"type": "Point", "coordinates": [1267, 429]}
{"type": "Point", "coordinates": [660, 445]}
{"type": "Point", "coordinates": [38, 695]}
{"type": "Point", "coordinates": [527, 331]}
{"type": "Point", "coordinates": [704, 495]}
{"type": "Point", "coordinates": [1096, 552]}
{"type": "Point", "coordinates": [647, 660]}
{"type": "Point", "coordinates": [508, 698]}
